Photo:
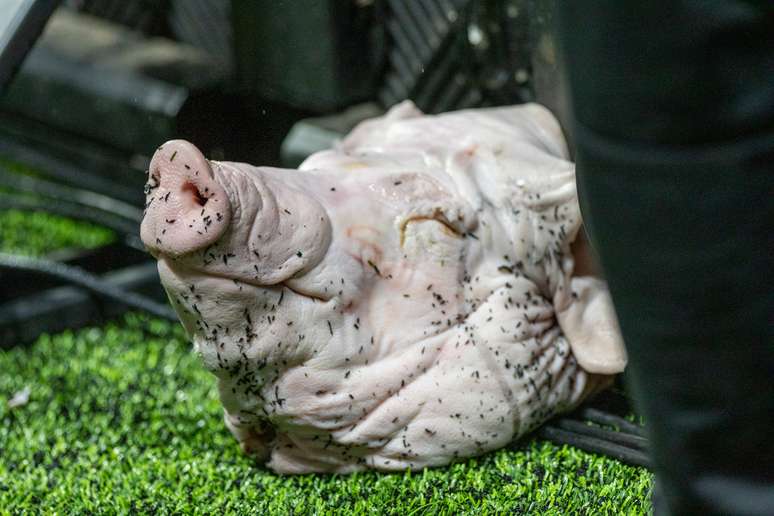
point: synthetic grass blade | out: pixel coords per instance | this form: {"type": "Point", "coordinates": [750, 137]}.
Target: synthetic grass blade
{"type": "Point", "coordinates": [125, 227]}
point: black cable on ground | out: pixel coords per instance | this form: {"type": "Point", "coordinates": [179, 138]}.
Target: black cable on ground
{"type": "Point", "coordinates": [595, 445]}
{"type": "Point", "coordinates": [81, 278]}
{"type": "Point", "coordinates": [70, 194]}
{"type": "Point", "coordinates": [603, 418]}
{"type": "Point", "coordinates": [624, 439]}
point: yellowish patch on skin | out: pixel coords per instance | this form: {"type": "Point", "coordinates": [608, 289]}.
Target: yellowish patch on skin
{"type": "Point", "coordinates": [445, 228]}
{"type": "Point", "coordinates": [355, 165]}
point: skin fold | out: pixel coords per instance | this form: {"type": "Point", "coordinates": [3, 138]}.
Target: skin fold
{"type": "Point", "coordinates": [406, 299]}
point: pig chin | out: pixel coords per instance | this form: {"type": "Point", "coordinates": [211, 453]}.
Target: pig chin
{"type": "Point", "coordinates": [234, 324]}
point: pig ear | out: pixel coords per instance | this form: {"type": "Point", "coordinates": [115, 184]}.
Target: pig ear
{"type": "Point", "coordinates": [547, 129]}
{"type": "Point", "coordinates": [405, 109]}
{"type": "Point", "coordinates": [186, 208]}
{"type": "Point", "coordinates": [372, 130]}
{"type": "Point", "coordinates": [590, 325]}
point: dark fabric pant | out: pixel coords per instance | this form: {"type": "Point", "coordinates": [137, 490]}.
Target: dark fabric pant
{"type": "Point", "coordinates": [673, 120]}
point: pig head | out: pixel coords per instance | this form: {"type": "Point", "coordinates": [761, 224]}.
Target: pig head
{"type": "Point", "coordinates": [403, 300]}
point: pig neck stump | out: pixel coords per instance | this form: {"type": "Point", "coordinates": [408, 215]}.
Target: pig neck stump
{"type": "Point", "coordinates": [406, 299]}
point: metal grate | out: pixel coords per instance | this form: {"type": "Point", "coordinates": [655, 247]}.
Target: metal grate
{"type": "Point", "coordinates": [204, 24]}
{"type": "Point", "coordinates": [455, 54]}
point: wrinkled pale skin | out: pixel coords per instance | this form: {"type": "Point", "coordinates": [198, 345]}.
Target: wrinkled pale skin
{"type": "Point", "coordinates": [403, 300]}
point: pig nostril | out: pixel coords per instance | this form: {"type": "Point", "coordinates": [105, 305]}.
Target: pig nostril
{"type": "Point", "coordinates": [197, 195]}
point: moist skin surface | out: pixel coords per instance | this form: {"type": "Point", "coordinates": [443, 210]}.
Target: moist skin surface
{"type": "Point", "coordinates": [405, 299]}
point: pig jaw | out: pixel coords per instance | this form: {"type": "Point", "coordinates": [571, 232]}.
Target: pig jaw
{"type": "Point", "coordinates": [250, 338]}
{"type": "Point", "coordinates": [236, 326]}
{"type": "Point", "coordinates": [248, 350]}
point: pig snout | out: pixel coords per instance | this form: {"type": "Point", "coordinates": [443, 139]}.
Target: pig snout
{"type": "Point", "coordinates": [186, 209]}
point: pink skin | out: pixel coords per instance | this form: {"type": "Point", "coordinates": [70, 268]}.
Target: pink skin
{"type": "Point", "coordinates": [384, 306]}
{"type": "Point", "coordinates": [183, 195]}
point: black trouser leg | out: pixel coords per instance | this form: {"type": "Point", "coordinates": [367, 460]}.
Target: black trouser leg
{"type": "Point", "coordinates": [673, 106]}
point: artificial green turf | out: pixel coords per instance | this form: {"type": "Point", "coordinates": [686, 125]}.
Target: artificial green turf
{"type": "Point", "coordinates": [125, 419]}
{"type": "Point", "coordinates": [35, 233]}
{"type": "Point", "coordinates": [39, 233]}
